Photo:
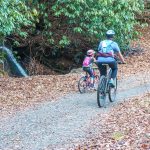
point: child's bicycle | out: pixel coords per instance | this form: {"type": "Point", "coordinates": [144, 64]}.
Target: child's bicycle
{"type": "Point", "coordinates": [84, 83]}
{"type": "Point", "coordinates": [104, 88]}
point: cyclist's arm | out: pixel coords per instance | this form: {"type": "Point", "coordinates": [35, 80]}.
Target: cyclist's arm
{"type": "Point", "coordinates": [118, 52]}
{"type": "Point", "coordinates": [94, 59]}
{"type": "Point", "coordinates": [121, 57]}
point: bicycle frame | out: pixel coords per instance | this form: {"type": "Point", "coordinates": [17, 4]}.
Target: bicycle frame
{"type": "Point", "coordinates": [104, 88]}
{"type": "Point", "coordinates": [108, 76]}
{"type": "Point", "coordinates": [89, 78]}
{"type": "Point", "coordinates": [86, 81]}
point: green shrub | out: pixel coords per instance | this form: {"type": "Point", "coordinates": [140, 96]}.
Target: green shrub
{"type": "Point", "coordinates": [67, 21]}
{"type": "Point", "coordinates": [14, 14]}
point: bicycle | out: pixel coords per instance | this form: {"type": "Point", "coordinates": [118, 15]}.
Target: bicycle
{"type": "Point", "coordinates": [84, 83]}
{"type": "Point", "coordinates": [104, 88]}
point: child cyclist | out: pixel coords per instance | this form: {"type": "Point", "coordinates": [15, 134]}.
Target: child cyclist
{"type": "Point", "coordinates": [88, 63]}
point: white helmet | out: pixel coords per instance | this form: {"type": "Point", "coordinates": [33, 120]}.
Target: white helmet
{"type": "Point", "coordinates": [110, 34]}
{"type": "Point", "coordinates": [90, 52]}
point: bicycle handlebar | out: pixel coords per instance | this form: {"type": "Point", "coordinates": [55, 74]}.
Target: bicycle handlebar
{"type": "Point", "coordinates": [119, 62]}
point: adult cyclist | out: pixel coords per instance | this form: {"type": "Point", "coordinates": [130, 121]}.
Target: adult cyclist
{"type": "Point", "coordinates": [107, 50]}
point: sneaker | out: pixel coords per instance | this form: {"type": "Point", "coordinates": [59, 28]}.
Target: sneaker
{"type": "Point", "coordinates": [95, 89]}
{"type": "Point", "coordinates": [92, 87]}
{"type": "Point", "coordinates": [111, 83]}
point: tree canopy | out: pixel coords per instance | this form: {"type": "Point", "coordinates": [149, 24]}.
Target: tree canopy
{"type": "Point", "coordinates": [58, 26]}
{"type": "Point", "coordinates": [14, 15]}
{"type": "Point", "coordinates": [74, 22]}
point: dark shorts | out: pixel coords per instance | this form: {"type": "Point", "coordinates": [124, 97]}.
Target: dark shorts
{"type": "Point", "coordinates": [89, 71]}
{"type": "Point", "coordinates": [103, 70]}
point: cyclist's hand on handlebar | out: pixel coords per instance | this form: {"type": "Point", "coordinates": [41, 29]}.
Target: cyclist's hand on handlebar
{"type": "Point", "coordinates": [94, 59]}
{"type": "Point", "coordinates": [122, 63]}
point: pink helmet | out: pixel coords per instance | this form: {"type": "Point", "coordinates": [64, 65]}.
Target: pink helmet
{"type": "Point", "coordinates": [90, 52]}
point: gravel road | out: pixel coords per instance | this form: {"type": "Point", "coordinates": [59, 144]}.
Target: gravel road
{"type": "Point", "coordinates": [64, 122]}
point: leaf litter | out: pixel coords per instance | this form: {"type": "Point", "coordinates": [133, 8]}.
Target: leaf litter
{"type": "Point", "coordinates": [127, 127]}
{"type": "Point", "coordinates": [20, 93]}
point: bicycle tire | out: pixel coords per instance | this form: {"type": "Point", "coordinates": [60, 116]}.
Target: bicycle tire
{"type": "Point", "coordinates": [101, 92]}
{"type": "Point", "coordinates": [82, 85]}
{"type": "Point", "coordinates": [109, 73]}
{"type": "Point", "coordinates": [96, 81]}
{"type": "Point", "coordinates": [112, 92]}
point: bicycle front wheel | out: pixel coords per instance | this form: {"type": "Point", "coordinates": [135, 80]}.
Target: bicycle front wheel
{"type": "Point", "coordinates": [112, 92]}
{"type": "Point", "coordinates": [96, 81]}
{"type": "Point", "coordinates": [82, 85]}
{"type": "Point", "coordinates": [101, 92]}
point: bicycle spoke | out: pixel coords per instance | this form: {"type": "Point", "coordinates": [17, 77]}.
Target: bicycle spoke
{"type": "Point", "coordinates": [83, 84]}
{"type": "Point", "coordinates": [112, 92]}
{"type": "Point", "coordinates": [96, 81]}
{"type": "Point", "coordinates": [101, 94]}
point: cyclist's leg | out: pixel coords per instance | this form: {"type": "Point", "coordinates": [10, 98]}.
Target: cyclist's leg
{"type": "Point", "coordinates": [102, 69]}
{"type": "Point", "coordinates": [89, 71]}
{"type": "Point", "coordinates": [86, 73]}
{"type": "Point", "coordinates": [85, 69]}
{"type": "Point", "coordinates": [113, 65]}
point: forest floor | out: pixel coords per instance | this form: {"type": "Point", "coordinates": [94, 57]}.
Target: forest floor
{"type": "Point", "coordinates": [127, 129]}
{"type": "Point", "coordinates": [22, 93]}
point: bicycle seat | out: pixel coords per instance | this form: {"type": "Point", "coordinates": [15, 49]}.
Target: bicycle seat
{"type": "Point", "coordinates": [94, 67]}
{"type": "Point", "coordinates": [105, 64]}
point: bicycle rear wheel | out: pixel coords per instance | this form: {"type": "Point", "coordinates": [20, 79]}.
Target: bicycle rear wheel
{"type": "Point", "coordinates": [112, 92]}
{"type": "Point", "coordinates": [82, 85]}
{"type": "Point", "coordinates": [101, 92]}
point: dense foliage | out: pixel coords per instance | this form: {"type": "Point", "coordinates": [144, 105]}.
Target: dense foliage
{"type": "Point", "coordinates": [61, 26]}
{"type": "Point", "coordinates": [14, 14]}
{"type": "Point", "coordinates": [72, 22]}
{"type": "Point", "coordinates": [86, 21]}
